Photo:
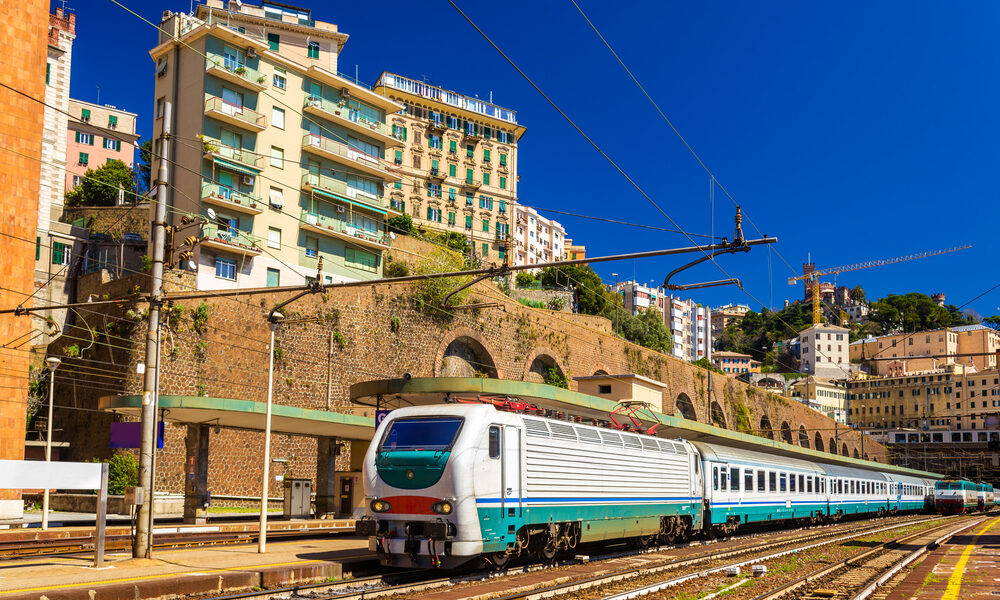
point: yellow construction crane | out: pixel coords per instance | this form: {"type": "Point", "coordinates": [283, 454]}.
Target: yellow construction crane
{"type": "Point", "coordinates": [815, 275]}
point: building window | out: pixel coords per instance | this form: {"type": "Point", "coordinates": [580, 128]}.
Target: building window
{"type": "Point", "coordinates": [486, 155]}
{"type": "Point", "coordinates": [48, 71]}
{"type": "Point", "coordinates": [278, 117]}
{"type": "Point", "coordinates": [277, 157]}
{"type": "Point", "coordinates": [398, 205]}
{"type": "Point", "coordinates": [503, 160]}
{"type": "Point", "coordinates": [76, 180]}
{"type": "Point", "coordinates": [486, 225]}
{"type": "Point", "coordinates": [84, 159]}
{"type": "Point", "coordinates": [435, 142]}
{"type": "Point", "coordinates": [398, 157]}
{"type": "Point", "coordinates": [486, 178]}
{"type": "Point", "coordinates": [433, 214]}
{"type": "Point", "coordinates": [279, 78]}
{"type": "Point", "coordinates": [503, 206]}
{"type": "Point", "coordinates": [452, 146]}
{"type": "Point", "coordinates": [273, 39]}
{"type": "Point", "coordinates": [470, 150]}
{"type": "Point", "coordinates": [84, 138]}
{"type": "Point", "coordinates": [225, 268]}
{"type": "Point", "coordinates": [503, 183]}
{"type": "Point", "coordinates": [359, 259]}
{"type": "Point", "coordinates": [452, 169]}
{"type": "Point", "coordinates": [273, 277]}
{"type": "Point", "coordinates": [485, 249]}
{"type": "Point", "coordinates": [313, 51]}
{"type": "Point", "coordinates": [61, 253]}
{"type": "Point", "coordinates": [113, 121]}
{"type": "Point", "coordinates": [603, 389]}
{"type": "Point", "coordinates": [110, 144]}
{"type": "Point", "coordinates": [85, 115]}
{"type": "Point", "coordinates": [273, 237]}
{"type": "Point", "coordinates": [159, 107]}
{"type": "Point", "coordinates": [399, 132]}
{"type": "Point", "coordinates": [468, 221]}
{"type": "Point", "coordinates": [312, 247]}
{"type": "Point", "coordinates": [451, 218]}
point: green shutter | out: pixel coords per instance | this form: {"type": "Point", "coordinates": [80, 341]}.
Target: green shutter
{"type": "Point", "coordinates": [404, 134]}
{"type": "Point", "coordinates": [469, 150]}
{"type": "Point", "coordinates": [48, 71]}
{"type": "Point", "coordinates": [112, 120]}
{"type": "Point", "coordinates": [468, 175]}
{"type": "Point", "coordinates": [398, 185]}
{"type": "Point", "coordinates": [92, 136]}
{"type": "Point", "coordinates": [503, 159]}
{"type": "Point", "coordinates": [486, 225]}
{"type": "Point", "coordinates": [486, 178]}
{"type": "Point", "coordinates": [451, 217]}
{"type": "Point", "coordinates": [399, 157]}
{"type": "Point", "coordinates": [452, 170]}
{"type": "Point", "coordinates": [273, 39]}
{"type": "Point", "coordinates": [468, 221]}
{"type": "Point", "coordinates": [77, 137]}
{"type": "Point", "coordinates": [453, 146]}
{"type": "Point", "coordinates": [85, 114]}
{"type": "Point", "coordinates": [429, 213]}
{"type": "Point", "coordinates": [486, 249]}
{"type": "Point", "coordinates": [434, 165]}
{"type": "Point", "coordinates": [486, 155]}
{"type": "Point", "coordinates": [38, 248]}
{"type": "Point", "coordinates": [58, 250]}
{"type": "Point", "coordinates": [503, 183]}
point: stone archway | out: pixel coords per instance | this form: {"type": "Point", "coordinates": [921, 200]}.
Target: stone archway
{"type": "Point", "coordinates": [464, 354]}
{"type": "Point", "coordinates": [538, 363]}
{"type": "Point", "coordinates": [844, 451]}
{"type": "Point", "coordinates": [600, 369]}
{"type": "Point", "coordinates": [803, 436]}
{"type": "Point", "coordinates": [855, 454]}
{"type": "Point", "coordinates": [818, 441]}
{"type": "Point", "coordinates": [765, 429]}
{"type": "Point", "coordinates": [685, 407]}
{"type": "Point", "coordinates": [786, 432]}
{"type": "Point", "coordinates": [718, 416]}
{"type": "Point", "coordinates": [833, 446]}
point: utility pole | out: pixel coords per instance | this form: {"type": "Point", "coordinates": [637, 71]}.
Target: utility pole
{"type": "Point", "coordinates": [144, 531]}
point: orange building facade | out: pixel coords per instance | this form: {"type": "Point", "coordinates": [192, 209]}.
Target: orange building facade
{"type": "Point", "coordinates": [22, 66]}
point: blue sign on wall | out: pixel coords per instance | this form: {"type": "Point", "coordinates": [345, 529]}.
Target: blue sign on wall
{"type": "Point", "coordinates": [380, 415]}
{"type": "Point", "coordinates": [129, 435]}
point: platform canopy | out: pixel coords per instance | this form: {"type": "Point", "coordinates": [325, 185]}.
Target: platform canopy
{"type": "Point", "coordinates": [397, 393]}
{"type": "Point", "coordinates": [233, 413]}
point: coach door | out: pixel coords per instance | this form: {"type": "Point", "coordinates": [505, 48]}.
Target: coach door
{"type": "Point", "coordinates": [510, 472]}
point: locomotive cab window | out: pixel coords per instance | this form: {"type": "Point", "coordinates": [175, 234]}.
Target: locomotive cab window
{"type": "Point", "coordinates": [435, 434]}
{"type": "Point", "coordinates": [494, 441]}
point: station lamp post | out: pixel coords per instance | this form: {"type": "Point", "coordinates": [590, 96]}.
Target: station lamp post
{"type": "Point", "coordinates": [274, 319]}
{"type": "Point", "coordinates": [53, 364]}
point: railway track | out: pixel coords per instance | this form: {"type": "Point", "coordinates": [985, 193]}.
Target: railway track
{"type": "Point", "coordinates": [85, 543]}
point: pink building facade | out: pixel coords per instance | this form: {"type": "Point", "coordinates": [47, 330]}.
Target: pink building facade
{"type": "Point", "coordinates": [97, 134]}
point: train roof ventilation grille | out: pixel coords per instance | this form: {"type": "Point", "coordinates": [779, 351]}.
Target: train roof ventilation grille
{"type": "Point", "coordinates": [562, 432]}
{"type": "Point", "coordinates": [536, 428]}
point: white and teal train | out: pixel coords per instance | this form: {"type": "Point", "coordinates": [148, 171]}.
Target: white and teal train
{"type": "Point", "coordinates": [449, 483]}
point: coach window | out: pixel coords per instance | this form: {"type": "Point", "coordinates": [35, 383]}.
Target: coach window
{"type": "Point", "coordinates": [734, 477]}
{"type": "Point", "coordinates": [723, 479]}
{"type": "Point", "coordinates": [748, 480]}
{"type": "Point", "coordinates": [802, 484]}
{"type": "Point", "coordinates": [760, 481]}
{"type": "Point", "coordinates": [791, 483]}
{"type": "Point", "coordinates": [494, 441]}
{"type": "Point", "coordinates": [772, 481]}
{"type": "Point", "coordinates": [784, 482]}
{"type": "Point", "coordinates": [809, 484]}
{"type": "Point", "coordinates": [715, 478]}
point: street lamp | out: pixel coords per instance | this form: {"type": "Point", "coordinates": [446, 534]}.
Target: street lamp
{"type": "Point", "coordinates": [274, 319]}
{"type": "Point", "coordinates": [53, 364]}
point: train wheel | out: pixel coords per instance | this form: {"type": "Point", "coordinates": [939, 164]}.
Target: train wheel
{"type": "Point", "coordinates": [547, 553]}
{"type": "Point", "coordinates": [499, 560]}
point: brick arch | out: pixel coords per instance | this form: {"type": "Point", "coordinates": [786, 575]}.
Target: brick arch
{"type": "Point", "coordinates": [685, 407]}
{"type": "Point", "coordinates": [542, 357]}
{"type": "Point", "coordinates": [818, 443]}
{"type": "Point", "coordinates": [844, 451]}
{"type": "Point", "coordinates": [833, 445]}
{"type": "Point", "coordinates": [600, 369]}
{"type": "Point", "coordinates": [803, 436]}
{"type": "Point", "coordinates": [718, 416]}
{"type": "Point", "coordinates": [462, 352]}
{"type": "Point", "coordinates": [765, 429]}
{"type": "Point", "coordinates": [786, 432]}
{"type": "Point", "coordinates": [855, 454]}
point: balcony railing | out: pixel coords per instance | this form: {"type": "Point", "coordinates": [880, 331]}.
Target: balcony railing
{"type": "Point", "coordinates": [223, 195]}
{"type": "Point", "coordinates": [342, 228]}
{"type": "Point", "coordinates": [235, 114]}
{"type": "Point", "coordinates": [346, 155]}
{"type": "Point", "coordinates": [236, 72]}
{"type": "Point", "coordinates": [214, 147]}
{"type": "Point", "coordinates": [239, 241]}
{"type": "Point", "coordinates": [340, 188]}
{"type": "Point", "coordinates": [346, 113]}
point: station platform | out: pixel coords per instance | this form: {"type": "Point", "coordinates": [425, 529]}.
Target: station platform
{"type": "Point", "coordinates": [965, 567]}
{"type": "Point", "coordinates": [185, 571]}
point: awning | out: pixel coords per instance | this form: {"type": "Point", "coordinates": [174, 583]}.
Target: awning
{"type": "Point", "coordinates": [340, 198]}
{"type": "Point", "coordinates": [237, 166]}
{"type": "Point", "coordinates": [276, 198]}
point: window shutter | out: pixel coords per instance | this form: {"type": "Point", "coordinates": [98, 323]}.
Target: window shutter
{"type": "Point", "coordinates": [429, 213]}
{"type": "Point", "coordinates": [57, 253]}
{"type": "Point", "coordinates": [404, 134]}
{"type": "Point", "coordinates": [452, 146]}
{"type": "Point", "coordinates": [92, 139]}
{"type": "Point", "coordinates": [77, 137]}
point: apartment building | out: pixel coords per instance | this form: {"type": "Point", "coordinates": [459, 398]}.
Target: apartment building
{"type": "Point", "coordinates": [734, 363]}
{"type": "Point", "coordinates": [823, 351]}
{"type": "Point", "coordinates": [688, 321]}
{"type": "Point", "coordinates": [536, 238]}
{"type": "Point", "coordinates": [951, 398]}
{"type": "Point", "coordinates": [573, 251]}
{"type": "Point", "coordinates": [828, 396]}
{"type": "Point", "coordinates": [724, 315]}
{"type": "Point", "coordinates": [281, 154]}
{"type": "Point", "coordinates": [973, 346]}
{"type": "Point", "coordinates": [89, 143]}
{"type": "Point", "coordinates": [456, 163]}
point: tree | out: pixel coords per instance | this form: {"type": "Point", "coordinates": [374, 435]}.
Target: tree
{"type": "Point", "coordinates": [992, 322]}
{"type": "Point", "coordinates": [704, 363]}
{"type": "Point", "coordinates": [401, 223]}
{"type": "Point", "coordinates": [591, 296]}
{"type": "Point", "coordinates": [524, 279]}
{"type": "Point", "coordinates": [857, 294]}
{"type": "Point", "coordinates": [143, 168]}
{"type": "Point", "coordinates": [101, 186]}
{"type": "Point", "coordinates": [913, 312]}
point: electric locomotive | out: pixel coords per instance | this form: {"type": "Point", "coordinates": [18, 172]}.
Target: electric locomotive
{"type": "Point", "coordinates": [955, 496]}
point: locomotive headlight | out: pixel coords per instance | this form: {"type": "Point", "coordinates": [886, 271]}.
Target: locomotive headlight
{"type": "Point", "coordinates": [380, 506]}
{"type": "Point", "coordinates": [409, 474]}
{"type": "Point", "coordinates": [442, 508]}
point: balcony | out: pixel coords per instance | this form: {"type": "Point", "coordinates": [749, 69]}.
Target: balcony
{"type": "Point", "coordinates": [225, 197]}
{"type": "Point", "coordinates": [324, 184]}
{"type": "Point", "coordinates": [439, 125]}
{"type": "Point", "coordinates": [227, 240]}
{"type": "Point", "coordinates": [234, 114]}
{"type": "Point", "coordinates": [339, 229]}
{"type": "Point", "coordinates": [229, 156]}
{"type": "Point", "coordinates": [237, 74]}
{"type": "Point", "coordinates": [349, 118]}
{"type": "Point", "coordinates": [471, 183]}
{"type": "Point", "coordinates": [437, 174]}
{"type": "Point", "coordinates": [346, 155]}
{"type": "Point", "coordinates": [472, 135]}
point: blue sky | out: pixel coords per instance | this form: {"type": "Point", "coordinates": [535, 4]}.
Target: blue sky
{"type": "Point", "coordinates": [849, 130]}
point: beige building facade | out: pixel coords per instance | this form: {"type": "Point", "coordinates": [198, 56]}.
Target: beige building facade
{"type": "Point", "coordinates": [284, 157]}
{"type": "Point", "coordinates": [573, 251]}
{"type": "Point", "coordinates": [627, 387]}
{"type": "Point", "coordinates": [829, 396]}
{"type": "Point", "coordinates": [824, 351]}
{"type": "Point", "coordinates": [456, 163]}
{"type": "Point", "coordinates": [972, 346]}
{"type": "Point", "coordinates": [724, 315]}
{"type": "Point", "coordinates": [734, 363]}
{"type": "Point", "coordinates": [536, 238]}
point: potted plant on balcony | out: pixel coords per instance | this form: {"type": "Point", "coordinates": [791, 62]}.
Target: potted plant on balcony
{"type": "Point", "coordinates": [240, 70]}
{"type": "Point", "coordinates": [261, 79]}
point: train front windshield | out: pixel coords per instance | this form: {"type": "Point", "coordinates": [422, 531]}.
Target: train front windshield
{"type": "Point", "coordinates": [422, 434]}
